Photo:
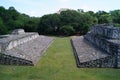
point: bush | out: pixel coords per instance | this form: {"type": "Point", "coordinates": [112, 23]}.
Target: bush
{"type": "Point", "coordinates": [3, 28]}
{"type": "Point", "coordinates": [116, 25]}
{"type": "Point", "coordinates": [67, 30]}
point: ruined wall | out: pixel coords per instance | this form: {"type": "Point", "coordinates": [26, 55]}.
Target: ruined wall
{"type": "Point", "coordinates": [107, 62]}
{"type": "Point", "coordinates": [106, 38]}
{"type": "Point", "coordinates": [101, 62]}
{"type": "Point", "coordinates": [21, 41]}
{"type": "Point", "coordinates": [13, 43]}
{"type": "Point", "coordinates": [11, 60]}
{"type": "Point", "coordinates": [118, 57]}
{"type": "Point", "coordinates": [109, 32]}
{"type": "Point", "coordinates": [102, 43]}
{"type": "Point", "coordinates": [0, 48]}
{"type": "Point", "coordinates": [23, 48]}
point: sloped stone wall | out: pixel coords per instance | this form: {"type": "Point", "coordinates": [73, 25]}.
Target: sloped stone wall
{"type": "Point", "coordinates": [102, 39]}
{"type": "Point", "coordinates": [11, 60]}
{"type": "Point", "coordinates": [21, 41]}
{"type": "Point", "coordinates": [13, 43]}
{"type": "Point", "coordinates": [0, 48]}
{"type": "Point", "coordinates": [23, 48]}
{"type": "Point", "coordinates": [90, 55]}
{"type": "Point", "coordinates": [109, 32]}
{"type": "Point", "coordinates": [28, 53]}
{"type": "Point", "coordinates": [107, 39]}
{"type": "Point", "coordinates": [118, 57]}
{"type": "Point", "coordinates": [107, 62]}
{"type": "Point", "coordinates": [102, 43]}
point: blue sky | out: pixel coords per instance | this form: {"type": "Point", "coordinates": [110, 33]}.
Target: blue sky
{"type": "Point", "coordinates": [40, 7]}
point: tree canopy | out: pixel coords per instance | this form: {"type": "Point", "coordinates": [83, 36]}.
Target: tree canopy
{"type": "Point", "coordinates": [68, 22]}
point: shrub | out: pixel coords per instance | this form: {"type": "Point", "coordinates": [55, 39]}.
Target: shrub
{"type": "Point", "coordinates": [67, 30]}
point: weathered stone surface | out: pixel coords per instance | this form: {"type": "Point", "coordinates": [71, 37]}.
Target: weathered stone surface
{"type": "Point", "coordinates": [109, 32]}
{"type": "Point", "coordinates": [88, 55]}
{"type": "Point", "coordinates": [23, 49]}
{"type": "Point", "coordinates": [110, 45]}
{"type": "Point", "coordinates": [11, 41]}
{"type": "Point", "coordinates": [0, 48]}
{"type": "Point", "coordinates": [106, 38]}
{"type": "Point", "coordinates": [18, 31]}
{"type": "Point", "coordinates": [87, 51]}
{"type": "Point", "coordinates": [32, 50]}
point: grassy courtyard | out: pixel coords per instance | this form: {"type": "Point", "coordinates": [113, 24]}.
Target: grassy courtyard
{"type": "Point", "coordinates": [58, 63]}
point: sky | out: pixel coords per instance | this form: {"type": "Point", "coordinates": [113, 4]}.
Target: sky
{"type": "Point", "coordinates": [39, 8]}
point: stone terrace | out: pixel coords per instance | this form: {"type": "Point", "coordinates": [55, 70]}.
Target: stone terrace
{"type": "Point", "coordinates": [32, 50]}
{"type": "Point", "coordinates": [22, 48]}
{"type": "Point", "coordinates": [87, 51]}
{"type": "Point", "coordinates": [100, 47]}
{"type": "Point", "coordinates": [87, 55]}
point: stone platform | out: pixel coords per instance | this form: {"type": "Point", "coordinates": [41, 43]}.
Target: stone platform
{"type": "Point", "coordinates": [88, 55]}
{"type": "Point", "coordinates": [23, 48]}
{"type": "Point", "coordinates": [100, 47]}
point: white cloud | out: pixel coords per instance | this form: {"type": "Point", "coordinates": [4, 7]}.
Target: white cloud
{"type": "Point", "coordinates": [64, 1]}
{"type": "Point", "coordinates": [19, 1]}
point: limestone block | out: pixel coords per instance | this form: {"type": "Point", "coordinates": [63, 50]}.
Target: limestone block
{"type": "Point", "coordinates": [22, 40]}
{"type": "Point", "coordinates": [106, 31]}
{"type": "Point", "coordinates": [115, 33]}
{"type": "Point", "coordinates": [18, 31]}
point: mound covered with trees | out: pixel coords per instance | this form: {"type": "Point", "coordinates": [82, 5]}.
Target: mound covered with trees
{"type": "Point", "coordinates": [68, 22]}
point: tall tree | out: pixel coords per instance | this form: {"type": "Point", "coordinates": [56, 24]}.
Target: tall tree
{"type": "Point", "coordinates": [103, 17]}
{"type": "Point", "coordinates": [115, 16]}
{"type": "Point", "coordinates": [3, 29]}
{"type": "Point", "coordinates": [49, 24]}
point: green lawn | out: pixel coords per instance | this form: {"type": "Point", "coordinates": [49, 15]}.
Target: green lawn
{"type": "Point", "coordinates": [58, 63]}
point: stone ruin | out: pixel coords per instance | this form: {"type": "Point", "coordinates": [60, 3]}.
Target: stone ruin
{"type": "Point", "coordinates": [100, 47]}
{"type": "Point", "coordinates": [23, 48]}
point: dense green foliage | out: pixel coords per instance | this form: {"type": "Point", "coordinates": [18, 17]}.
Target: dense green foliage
{"type": "Point", "coordinates": [68, 22]}
{"type": "Point", "coordinates": [58, 63]}
{"type": "Point", "coordinates": [11, 19]}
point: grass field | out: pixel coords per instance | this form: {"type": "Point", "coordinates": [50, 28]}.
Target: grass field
{"type": "Point", "coordinates": [58, 63]}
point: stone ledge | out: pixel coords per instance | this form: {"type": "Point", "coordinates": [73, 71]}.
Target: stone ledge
{"type": "Point", "coordinates": [14, 40]}
{"type": "Point", "coordinates": [11, 60]}
{"type": "Point", "coordinates": [84, 50]}
{"type": "Point", "coordinates": [20, 48]}
{"type": "Point", "coordinates": [31, 53]}
{"type": "Point", "coordinates": [109, 32]}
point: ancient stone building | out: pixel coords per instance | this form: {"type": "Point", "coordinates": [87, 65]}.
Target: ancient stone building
{"type": "Point", "coordinates": [101, 47]}
{"type": "Point", "coordinates": [23, 48]}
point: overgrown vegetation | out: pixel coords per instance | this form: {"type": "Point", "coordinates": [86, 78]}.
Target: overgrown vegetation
{"type": "Point", "coordinates": [58, 63]}
{"type": "Point", "coordinates": [66, 22]}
